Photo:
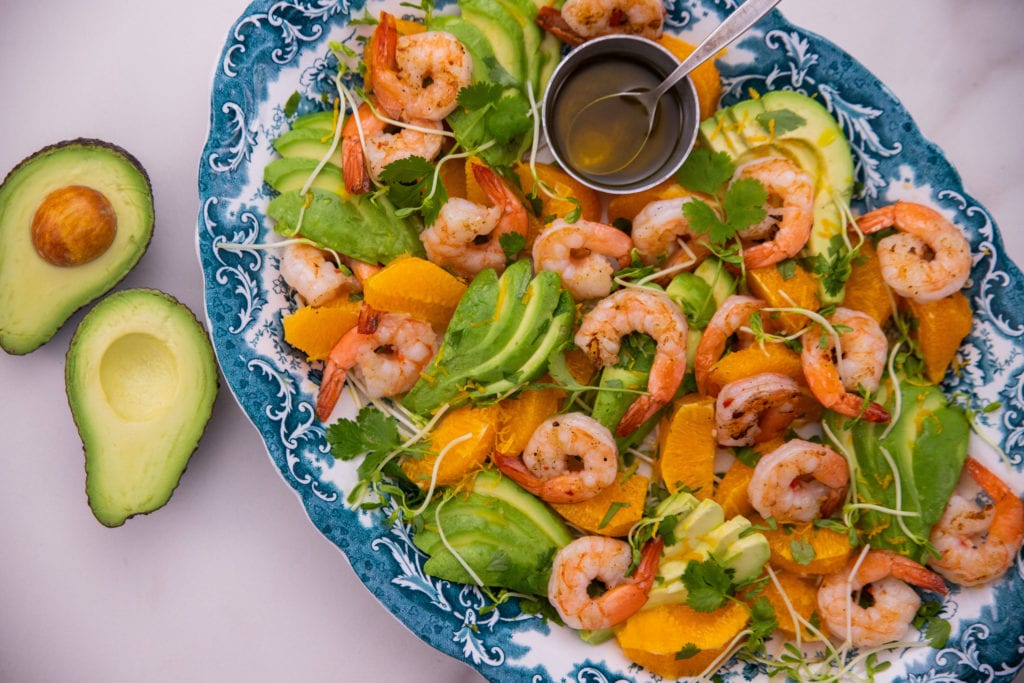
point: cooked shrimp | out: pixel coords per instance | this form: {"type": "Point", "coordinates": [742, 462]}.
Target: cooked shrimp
{"type": "Point", "coordinates": [568, 459]}
{"type": "Point", "coordinates": [417, 76]}
{"type": "Point", "coordinates": [789, 211]}
{"type": "Point", "coordinates": [638, 310]}
{"type": "Point", "coordinates": [895, 603]}
{"type": "Point", "coordinates": [466, 236]}
{"type": "Point", "coordinates": [979, 544]}
{"type": "Point", "coordinates": [386, 351]}
{"type": "Point", "coordinates": [928, 259]}
{"type": "Point", "coordinates": [863, 357]}
{"type": "Point", "coordinates": [581, 20]}
{"type": "Point", "coordinates": [604, 560]}
{"type": "Point", "coordinates": [798, 482]}
{"type": "Point", "coordinates": [314, 275]}
{"type": "Point", "coordinates": [383, 145]}
{"type": "Point", "coordinates": [586, 254]}
{"type": "Point", "coordinates": [865, 349]}
{"type": "Point", "coordinates": [733, 314]}
{"type": "Point", "coordinates": [659, 230]}
{"type": "Point", "coordinates": [756, 408]}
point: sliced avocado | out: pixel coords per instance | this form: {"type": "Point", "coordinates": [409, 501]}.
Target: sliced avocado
{"type": "Point", "coordinates": [498, 337]}
{"type": "Point", "coordinates": [556, 338]}
{"type": "Point", "coordinates": [502, 30]}
{"type": "Point", "coordinates": [549, 57]}
{"type": "Point", "coordinates": [320, 120]}
{"type": "Point", "coordinates": [746, 556]}
{"type": "Point", "coordinates": [493, 484]}
{"type": "Point", "coordinates": [718, 277]}
{"type": "Point", "coordinates": [746, 131]}
{"type": "Point", "coordinates": [693, 295]}
{"type": "Point", "coordinates": [360, 227]}
{"type": "Point", "coordinates": [141, 381]}
{"type": "Point", "coordinates": [525, 13]}
{"type": "Point", "coordinates": [75, 217]}
{"type": "Point", "coordinates": [307, 143]}
{"type": "Point", "coordinates": [506, 536]}
{"type": "Point", "coordinates": [290, 174]}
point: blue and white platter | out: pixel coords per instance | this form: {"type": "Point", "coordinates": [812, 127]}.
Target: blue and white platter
{"type": "Point", "coordinates": [277, 48]}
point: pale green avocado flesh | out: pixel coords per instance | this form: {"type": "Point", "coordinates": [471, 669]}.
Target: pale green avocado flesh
{"type": "Point", "coordinates": [36, 297]}
{"type": "Point", "coordinates": [141, 380]}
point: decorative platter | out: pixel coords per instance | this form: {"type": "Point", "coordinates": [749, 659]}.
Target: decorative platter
{"type": "Point", "coordinates": [278, 48]}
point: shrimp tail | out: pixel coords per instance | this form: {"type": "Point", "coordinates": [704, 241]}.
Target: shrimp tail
{"type": "Point", "coordinates": [515, 470]}
{"type": "Point", "coordinates": [369, 320]}
{"type": "Point", "coordinates": [1008, 520]}
{"type": "Point", "coordinates": [905, 569]}
{"type": "Point", "coordinates": [551, 20]}
{"type": "Point", "coordinates": [330, 390]}
{"type": "Point", "coordinates": [384, 59]}
{"type": "Point", "coordinates": [647, 569]}
{"type": "Point", "coordinates": [353, 161]}
{"type": "Point", "coordinates": [641, 410]}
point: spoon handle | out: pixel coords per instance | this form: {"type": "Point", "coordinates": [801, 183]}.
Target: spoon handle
{"type": "Point", "coordinates": [729, 30]}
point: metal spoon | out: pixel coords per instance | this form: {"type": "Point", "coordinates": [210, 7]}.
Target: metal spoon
{"type": "Point", "coordinates": [735, 25]}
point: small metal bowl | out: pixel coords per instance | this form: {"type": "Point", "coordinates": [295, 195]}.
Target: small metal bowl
{"type": "Point", "coordinates": [660, 160]}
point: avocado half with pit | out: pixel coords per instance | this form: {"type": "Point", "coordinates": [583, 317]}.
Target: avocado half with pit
{"type": "Point", "coordinates": [141, 380]}
{"type": "Point", "coordinates": [75, 217]}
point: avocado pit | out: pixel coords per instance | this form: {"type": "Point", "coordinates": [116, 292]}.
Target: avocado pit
{"type": "Point", "coordinates": [73, 225]}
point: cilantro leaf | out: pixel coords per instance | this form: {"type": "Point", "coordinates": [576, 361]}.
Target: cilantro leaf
{"type": "Point", "coordinates": [763, 623]}
{"type": "Point", "coordinates": [803, 553]}
{"type": "Point", "coordinates": [372, 430]}
{"type": "Point", "coordinates": [705, 221]}
{"type": "Point", "coordinates": [743, 203]}
{"type": "Point", "coordinates": [479, 95]}
{"type": "Point", "coordinates": [410, 183]}
{"type": "Point", "coordinates": [834, 267]}
{"type": "Point", "coordinates": [292, 104]}
{"type": "Point", "coordinates": [780, 121]}
{"type": "Point", "coordinates": [705, 171]}
{"type": "Point", "coordinates": [512, 243]}
{"type": "Point", "coordinates": [707, 584]}
{"type": "Point", "coordinates": [509, 118]}
{"type": "Point", "coordinates": [687, 651]}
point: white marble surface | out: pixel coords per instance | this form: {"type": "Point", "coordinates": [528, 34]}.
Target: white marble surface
{"type": "Point", "coordinates": [230, 581]}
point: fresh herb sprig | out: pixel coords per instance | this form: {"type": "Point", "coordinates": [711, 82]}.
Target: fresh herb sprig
{"type": "Point", "coordinates": [739, 203]}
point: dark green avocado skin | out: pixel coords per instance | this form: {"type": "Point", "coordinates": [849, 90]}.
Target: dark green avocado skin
{"type": "Point", "coordinates": [36, 298]}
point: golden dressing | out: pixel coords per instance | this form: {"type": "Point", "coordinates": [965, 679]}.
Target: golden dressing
{"type": "Point", "coordinates": [606, 140]}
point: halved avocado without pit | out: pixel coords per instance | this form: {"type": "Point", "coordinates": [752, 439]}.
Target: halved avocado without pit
{"type": "Point", "coordinates": [141, 380]}
{"type": "Point", "coordinates": [75, 217]}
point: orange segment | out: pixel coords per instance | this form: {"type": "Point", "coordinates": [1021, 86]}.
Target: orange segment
{"type": "Point", "coordinates": [686, 446]}
{"type": "Point", "coordinates": [653, 637]}
{"type": "Point", "coordinates": [315, 330]}
{"type": "Point", "coordinates": [416, 287]}
{"type": "Point", "coordinates": [520, 415]}
{"type": "Point", "coordinates": [798, 288]}
{"type": "Point", "coordinates": [706, 79]}
{"type": "Point", "coordinates": [613, 512]}
{"type": "Point", "coordinates": [627, 206]}
{"type": "Point", "coordinates": [563, 186]}
{"type": "Point", "coordinates": [802, 596]}
{"type": "Point", "coordinates": [866, 291]}
{"type": "Point", "coordinates": [474, 428]}
{"type": "Point", "coordinates": [831, 548]}
{"type": "Point", "coordinates": [731, 492]}
{"type": "Point", "coordinates": [941, 326]}
{"type": "Point", "coordinates": [754, 360]}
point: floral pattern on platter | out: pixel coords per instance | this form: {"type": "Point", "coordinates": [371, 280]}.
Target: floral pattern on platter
{"type": "Point", "coordinates": [278, 48]}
